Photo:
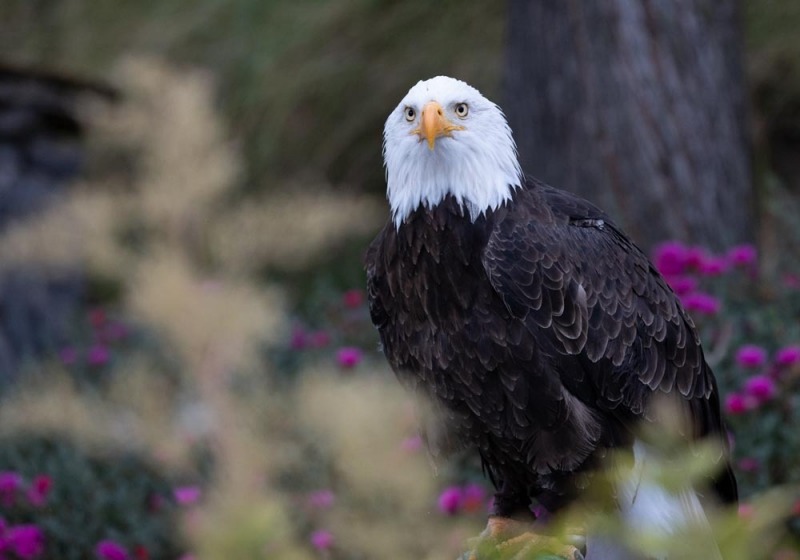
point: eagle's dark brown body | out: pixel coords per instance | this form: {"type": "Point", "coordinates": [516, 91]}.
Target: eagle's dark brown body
{"type": "Point", "coordinates": [540, 332]}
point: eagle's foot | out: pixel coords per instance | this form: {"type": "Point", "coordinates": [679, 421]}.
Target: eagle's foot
{"type": "Point", "coordinates": [509, 539]}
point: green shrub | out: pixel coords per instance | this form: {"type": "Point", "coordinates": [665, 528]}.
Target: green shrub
{"type": "Point", "coordinates": [91, 498]}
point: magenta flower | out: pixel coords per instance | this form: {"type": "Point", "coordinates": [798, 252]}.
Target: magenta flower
{"type": "Point", "coordinates": [760, 387]}
{"type": "Point", "coordinates": [299, 339]}
{"type": "Point", "coordinates": [68, 355]}
{"type": "Point", "coordinates": [695, 257]}
{"type": "Point", "coordinates": [321, 499]}
{"type": "Point", "coordinates": [113, 331]}
{"type": "Point", "coordinates": [353, 299]}
{"type": "Point", "coordinates": [187, 495]}
{"type": "Point", "coordinates": [749, 464]}
{"type": "Point", "coordinates": [155, 502]}
{"type": "Point", "coordinates": [10, 483]}
{"type": "Point", "coordinates": [349, 356]}
{"type": "Point", "coordinates": [746, 511]}
{"type": "Point", "coordinates": [702, 303]}
{"type": "Point", "coordinates": [791, 281]}
{"type": "Point", "coordinates": [110, 550]}
{"type": "Point", "coordinates": [98, 355]}
{"type": "Point", "coordinates": [39, 489]}
{"type": "Point", "coordinates": [682, 285]}
{"type": "Point", "coordinates": [321, 539]}
{"type": "Point", "coordinates": [97, 317]}
{"type": "Point", "coordinates": [450, 500]}
{"type": "Point", "coordinates": [788, 356]}
{"type": "Point", "coordinates": [319, 339]}
{"type": "Point", "coordinates": [742, 255]}
{"type": "Point", "coordinates": [736, 404]}
{"type": "Point", "coordinates": [26, 541]}
{"type": "Point", "coordinates": [473, 498]}
{"type": "Point", "coordinates": [751, 356]}
{"type": "Point", "coordinates": [712, 266]}
{"type": "Point", "coordinates": [670, 258]}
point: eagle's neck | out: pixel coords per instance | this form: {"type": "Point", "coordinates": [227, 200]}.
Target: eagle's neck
{"type": "Point", "coordinates": [478, 181]}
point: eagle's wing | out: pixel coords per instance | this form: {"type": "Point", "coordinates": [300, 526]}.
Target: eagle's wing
{"type": "Point", "coordinates": [593, 301]}
{"type": "Point", "coordinates": [371, 266]}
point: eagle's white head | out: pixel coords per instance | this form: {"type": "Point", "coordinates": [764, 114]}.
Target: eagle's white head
{"type": "Point", "coordinates": [446, 138]}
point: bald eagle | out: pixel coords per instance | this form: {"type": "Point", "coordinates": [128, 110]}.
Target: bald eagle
{"type": "Point", "coordinates": [538, 330]}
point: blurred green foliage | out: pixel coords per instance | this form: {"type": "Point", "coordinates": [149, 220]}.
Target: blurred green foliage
{"type": "Point", "coordinates": [93, 497]}
{"type": "Point", "coordinates": [305, 84]}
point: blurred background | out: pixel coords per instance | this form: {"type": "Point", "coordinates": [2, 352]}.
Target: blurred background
{"type": "Point", "coordinates": [187, 367]}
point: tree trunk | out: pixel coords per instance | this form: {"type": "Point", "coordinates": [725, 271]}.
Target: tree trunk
{"type": "Point", "coordinates": [638, 106]}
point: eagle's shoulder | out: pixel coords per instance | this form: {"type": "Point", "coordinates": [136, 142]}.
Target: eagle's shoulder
{"type": "Point", "coordinates": [549, 204]}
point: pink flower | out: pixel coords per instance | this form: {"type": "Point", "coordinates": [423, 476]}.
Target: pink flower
{"type": "Point", "coordinates": [319, 339]}
{"type": "Point", "coordinates": [353, 299]}
{"type": "Point", "coordinates": [111, 550]}
{"type": "Point", "coordinates": [187, 495]}
{"type": "Point", "coordinates": [751, 356]}
{"type": "Point", "coordinates": [746, 511]}
{"type": "Point", "coordinates": [349, 356]}
{"type": "Point", "coordinates": [26, 541]}
{"type": "Point", "coordinates": [299, 339]}
{"type": "Point", "coordinates": [450, 500]}
{"type": "Point", "coordinates": [695, 257]}
{"type": "Point", "coordinates": [540, 512]}
{"type": "Point", "coordinates": [98, 355]}
{"type": "Point", "coordinates": [742, 255]}
{"type": "Point", "coordinates": [473, 497]}
{"type": "Point", "coordinates": [736, 404]}
{"type": "Point", "coordinates": [113, 331]}
{"type": "Point", "coordinates": [68, 355]}
{"type": "Point", "coordinates": [411, 444]}
{"type": "Point", "coordinates": [682, 285]}
{"type": "Point", "coordinates": [155, 502]}
{"type": "Point", "coordinates": [670, 258]}
{"type": "Point", "coordinates": [321, 499]}
{"type": "Point", "coordinates": [97, 317]}
{"type": "Point", "coordinates": [713, 266]}
{"type": "Point", "coordinates": [321, 539]}
{"type": "Point", "coordinates": [10, 483]}
{"type": "Point", "coordinates": [788, 356]}
{"type": "Point", "coordinates": [791, 281]}
{"type": "Point", "coordinates": [39, 489]}
{"type": "Point", "coordinates": [761, 387]}
{"type": "Point", "coordinates": [702, 303]}
{"type": "Point", "coordinates": [749, 464]}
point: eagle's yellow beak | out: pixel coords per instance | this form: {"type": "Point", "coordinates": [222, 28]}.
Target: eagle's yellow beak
{"type": "Point", "coordinates": [434, 124]}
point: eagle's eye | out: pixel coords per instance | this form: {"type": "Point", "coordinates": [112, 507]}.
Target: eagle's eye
{"type": "Point", "coordinates": [462, 110]}
{"type": "Point", "coordinates": [410, 114]}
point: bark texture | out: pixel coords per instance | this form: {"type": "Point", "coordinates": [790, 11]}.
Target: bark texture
{"type": "Point", "coordinates": [638, 106]}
